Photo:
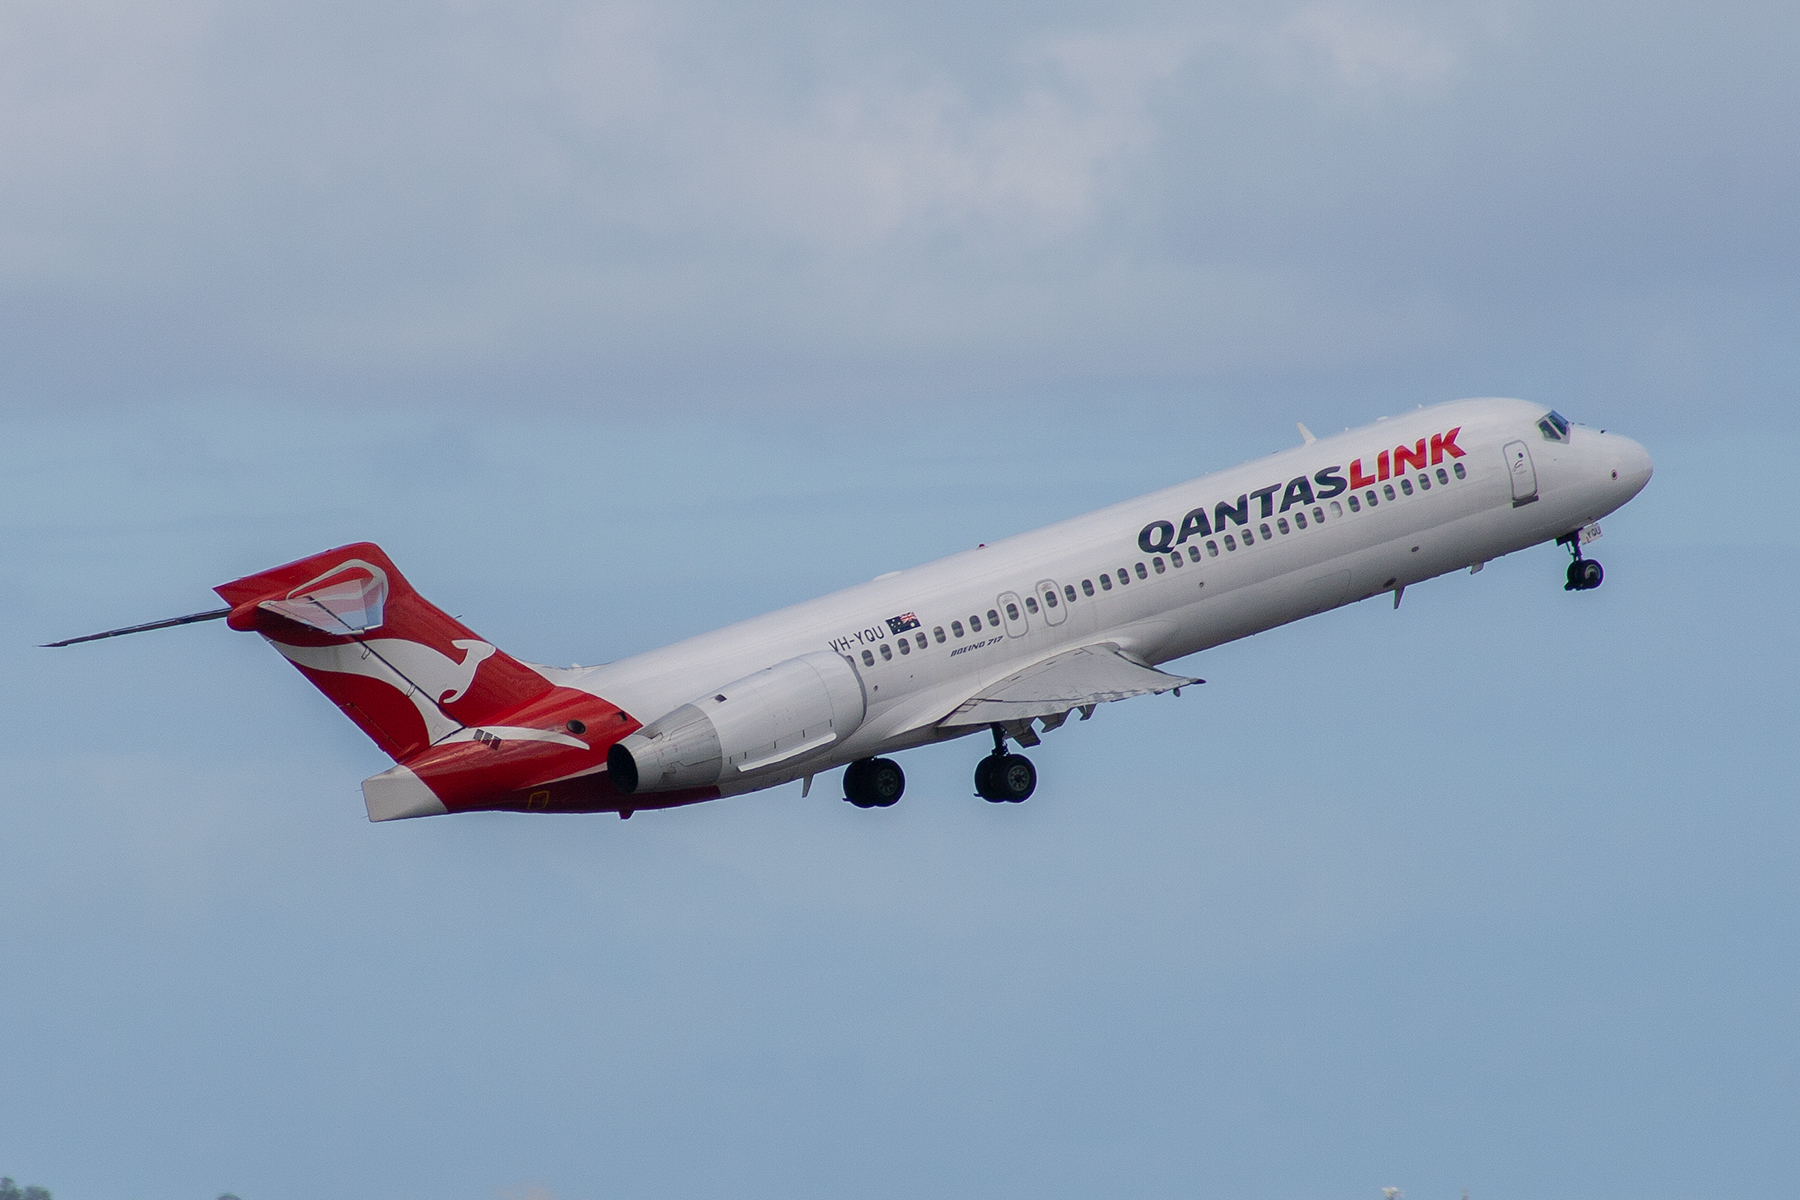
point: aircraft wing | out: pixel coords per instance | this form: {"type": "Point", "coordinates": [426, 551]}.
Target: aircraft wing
{"type": "Point", "coordinates": [1078, 678]}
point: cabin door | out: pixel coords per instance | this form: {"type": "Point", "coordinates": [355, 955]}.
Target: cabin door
{"type": "Point", "coordinates": [1052, 600]}
{"type": "Point", "coordinates": [1524, 475]}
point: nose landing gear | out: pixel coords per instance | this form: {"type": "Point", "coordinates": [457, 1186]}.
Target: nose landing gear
{"type": "Point", "coordinates": [1003, 778]}
{"type": "Point", "coordinates": [1584, 574]}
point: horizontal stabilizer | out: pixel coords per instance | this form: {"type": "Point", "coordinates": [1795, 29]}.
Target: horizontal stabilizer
{"type": "Point", "coordinates": [347, 600]}
{"type": "Point", "coordinates": [1073, 679]}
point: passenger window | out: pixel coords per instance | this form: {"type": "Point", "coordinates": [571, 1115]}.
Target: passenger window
{"type": "Point", "coordinates": [994, 618]}
{"type": "Point", "coordinates": [1050, 597]}
{"type": "Point", "coordinates": [1194, 554]}
{"type": "Point", "coordinates": [1124, 575]}
{"type": "Point", "coordinates": [1265, 531]}
{"type": "Point", "coordinates": [1030, 606]}
{"type": "Point", "coordinates": [938, 633]}
{"type": "Point", "coordinates": [1229, 544]}
{"type": "Point", "coordinates": [974, 624]}
{"type": "Point", "coordinates": [1212, 548]}
{"type": "Point", "coordinates": [1281, 522]}
{"type": "Point", "coordinates": [887, 654]}
{"type": "Point", "coordinates": [1175, 560]}
{"type": "Point", "coordinates": [1012, 611]}
{"type": "Point", "coordinates": [1106, 583]}
{"type": "Point", "coordinates": [1249, 538]}
{"type": "Point", "coordinates": [1155, 562]}
{"type": "Point", "coordinates": [1319, 513]}
{"type": "Point", "coordinates": [1142, 574]}
{"type": "Point", "coordinates": [1406, 486]}
{"type": "Point", "coordinates": [1087, 586]}
{"type": "Point", "coordinates": [868, 658]}
{"type": "Point", "coordinates": [1300, 518]}
{"type": "Point", "coordinates": [905, 646]}
{"type": "Point", "coordinates": [956, 628]}
{"type": "Point", "coordinates": [1354, 506]}
{"type": "Point", "coordinates": [1424, 482]}
{"type": "Point", "coordinates": [1337, 510]}
{"type": "Point", "coordinates": [1387, 489]}
{"type": "Point", "coordinates": [921, 638]}
{"type": "Point", "coordinates": [1370, 497]}
{"type": "Point", "coordinates": [1460, 473]}
{"type": "Point", "coordinates": [1442, 478]}
{"type": "Point", "coordinates": [1069, 591]}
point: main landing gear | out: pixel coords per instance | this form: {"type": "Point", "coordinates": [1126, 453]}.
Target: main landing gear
{"type": "Point", "coordinates": [1002, 777]}
{"type": "Point", "coordinates": [874, 782]}
{"type": "Point", "coordinates": [1584, 573]}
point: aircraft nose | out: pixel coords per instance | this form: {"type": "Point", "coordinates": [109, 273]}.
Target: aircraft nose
{"type": "Point", "coordinates": [1631, 463]}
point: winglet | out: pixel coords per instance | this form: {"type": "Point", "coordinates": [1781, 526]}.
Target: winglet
{"type": "Point", "coordinates": [1305, 433]}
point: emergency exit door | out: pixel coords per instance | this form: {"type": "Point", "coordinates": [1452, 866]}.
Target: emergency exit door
{"type": "Point", "coordinates": [1013, 609]}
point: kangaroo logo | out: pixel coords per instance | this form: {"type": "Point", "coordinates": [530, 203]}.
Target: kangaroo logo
{"type": "Point", "coordinates": [441, 677]}
{"type": "Point", "coordinates": [424, 676]}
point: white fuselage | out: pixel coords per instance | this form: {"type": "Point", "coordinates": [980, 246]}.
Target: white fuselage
{"type": "Point", "coordinates": [1162, 611]}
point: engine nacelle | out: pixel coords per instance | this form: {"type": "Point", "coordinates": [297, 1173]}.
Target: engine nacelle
{"type": "Point", "coordinates": [788, 711]}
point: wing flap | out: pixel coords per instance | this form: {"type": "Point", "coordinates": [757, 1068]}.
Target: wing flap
{"type": "Point", "coordinates": [1073, 679]}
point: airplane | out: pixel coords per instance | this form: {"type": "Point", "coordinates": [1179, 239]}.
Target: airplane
{"type": "Point", "coordinates": [1007, 639]}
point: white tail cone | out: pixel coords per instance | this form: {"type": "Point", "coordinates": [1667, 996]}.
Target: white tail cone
{"type": "Point", "coordinates": [397, 793]}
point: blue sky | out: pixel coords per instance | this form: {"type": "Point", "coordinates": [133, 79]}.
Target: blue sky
{"type": "Point", "coordinates": [615, 323]}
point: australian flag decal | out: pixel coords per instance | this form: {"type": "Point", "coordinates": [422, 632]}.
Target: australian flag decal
{"type": "Point", "coordinates": [902, 623]}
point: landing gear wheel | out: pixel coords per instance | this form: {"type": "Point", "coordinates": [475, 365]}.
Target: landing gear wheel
{"type": "Point", "coordinates": [1002, 777]}
{"type": "Point", "coordinates": [1584, 575]}
{"type": "Point", "coordinates": [1005, 778]}
{"type": "Point", "coordinates": [984, 778]}
{"type": "Point", "coordinates": [874, 782]}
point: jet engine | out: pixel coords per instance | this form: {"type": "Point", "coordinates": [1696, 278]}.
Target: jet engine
{"type": "Point", "coordinates": [790, 710]}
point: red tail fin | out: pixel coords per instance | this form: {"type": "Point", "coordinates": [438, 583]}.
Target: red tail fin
{"type": "Point", "coordinates": [405, 671]}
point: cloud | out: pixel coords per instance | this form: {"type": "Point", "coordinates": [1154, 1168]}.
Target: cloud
{"type": "Point", "coordinates": [1370, 51]}
{"type": "Point", "coordinates": [898, 147]}
{"type": "Point", "coordinates": [584, 199]}
{"type": "Point", "coordinates": [194, 116]}
{"type": "Point", "coordinates": [845, 154]}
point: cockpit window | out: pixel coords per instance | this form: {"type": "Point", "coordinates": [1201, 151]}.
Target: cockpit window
{"type": "Point", "coordinates": [1555, 427]}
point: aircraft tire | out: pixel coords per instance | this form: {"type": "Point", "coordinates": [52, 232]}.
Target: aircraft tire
{"type": "Point", "coordinates": [984, 780]}
{"type": "Point", "coordinates": [854, 789]}
{"type": "Point", "coordinates": [887, 782]}
{"type": "Point", "coordinates": [1016, 778]}
{"type": "Point", "coordinates": [1005, 778]}
{"type": "Point", "coordinates": [874, 782]}
{"type": "Point", "coordinates": [1584, 575]}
